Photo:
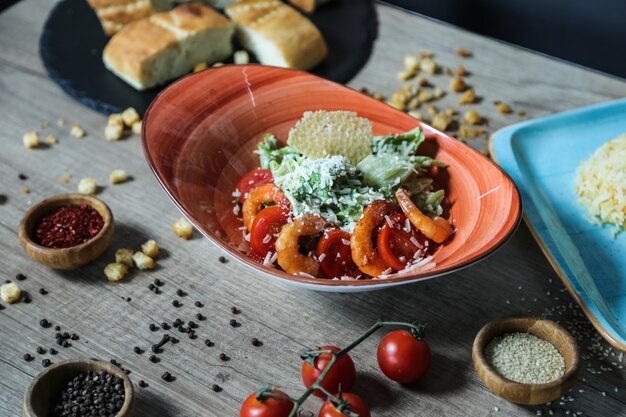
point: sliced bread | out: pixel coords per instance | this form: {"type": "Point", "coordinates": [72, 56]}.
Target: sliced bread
{"type": "Point", "coordinates": [115, 14]}
{"type": "Point", "coordinates": [167, 45]}
{"type": "Point", "coordinates": [277, 34]}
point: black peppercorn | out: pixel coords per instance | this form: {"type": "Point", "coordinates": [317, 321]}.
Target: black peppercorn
{"type": "Point", "coordinates": [74, 336]}
{"type": "Point", "coordinates": [66, 344]}
{"type": "Point", "coordinates": [28, 357]}
{"type": "Point", "coordinates": [40, 350]}
{"type": "Point", "coordinates": [142, 383]}
{"type": "Point", "coordinates": [256, 342]}
{"type": "Point", "coordinates": [22, 177]}
{"type": "Point", "coordinates": [223, 357]}
{"type": "Point", "coordinates": [153, 358]}
{"type": "Point", "coordinates": [198, 304]}
{"type": "Point", "coordinates": [158, 282]}
{"type": "Point", "coordinates": [44, 323]}
{"type": "Point", "coordinates": [208, 343]}
{"type": "Point", "coordinates": [137, 350]}
{"type": "Point", "coordinates": [57, 328]}
{"type": "Point", "coordinates": [233, 323]}
{"type": "Point", "coordinates": [167, 377]}
{"type": "Point", "coordinates": [222, 259]}
{"type": "Point", "coordinates": [155, 349]}
{"type": "Point", "coordinates": [165, 326]}
{"type": "Point", "coordinates": [200, 317]}
{"type": "Point", "coordinates": [153, 327]}
{"type": "Point", "coordinates": [192, 324]}
{"type": "Point", "coordinates": [46, 362]}
{"type": "Point", "coordinates": [177, 323]}
{"type": "Point", "coordinates": [176, 303]}
{"type": "Point", "coordinates": [26, 299]}
{"type": "Point", "coordinates": [216, 388]}
{"type": "Point", "coordinates": [235, 310]}
{"type": "Point", "coordinates": [53, 351]}
{"type": "Point", "coordinates": [20, 277]}
{"type": "Point", "coordinates": [180, 293]}
{"type": "Point", "coordinates": [151, 287]}
{"type": "Point", "coordinates": [43, 291]}
{"type": "Point", "coordinates": [174, 340]}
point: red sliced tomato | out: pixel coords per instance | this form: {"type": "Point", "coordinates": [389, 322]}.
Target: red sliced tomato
{"type": "Point", "coordinates": [252, 180]}
{"type": "Point", "coordinates": [265, 229]}
{"type": "Point", "coordinates": [395, 245]}
{"type": "Point", "coordinates": [333, 249]}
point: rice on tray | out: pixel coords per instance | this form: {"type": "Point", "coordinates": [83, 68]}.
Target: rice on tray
{"type": "Point", "coordinates": [601, 183]}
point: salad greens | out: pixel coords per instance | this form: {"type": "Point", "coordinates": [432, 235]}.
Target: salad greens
{"type": "Point", "coordinates": [339, 191]}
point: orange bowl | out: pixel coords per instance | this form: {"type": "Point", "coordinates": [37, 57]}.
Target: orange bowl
{"type": "Point", "coordinates": [199, 135]}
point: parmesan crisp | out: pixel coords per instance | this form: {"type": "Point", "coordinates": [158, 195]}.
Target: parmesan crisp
{"type": "Point", "coordinates": [326, 133]}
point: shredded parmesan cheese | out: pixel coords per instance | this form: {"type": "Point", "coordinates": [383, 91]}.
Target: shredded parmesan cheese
{"type": "Point", "coordinates": [601, 183]}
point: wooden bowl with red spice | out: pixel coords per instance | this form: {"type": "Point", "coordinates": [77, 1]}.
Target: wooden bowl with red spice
{"type": "Point", "coordinates": [66, 231]}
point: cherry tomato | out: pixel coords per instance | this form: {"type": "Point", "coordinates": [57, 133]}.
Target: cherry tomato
{"type": "Point", "coordinates": [402, 357]}
{"type": "Point", "coordinates": [252, 180]}
{"type": "Point", "coordinates": [357, 405]}
{"type": "Point", "coordinates": [342, 373]}
{"type": "Point", "coordinates": [270, 407]}
{"type": "Point", "coordinates": [395, 245]}
{"type": "Point", "coordinates": [336, 257]}
{"type": "Point", "coordinates": [265, 229]}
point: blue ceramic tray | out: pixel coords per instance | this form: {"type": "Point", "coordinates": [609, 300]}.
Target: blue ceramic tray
{"type": "Point", "coordinates": [542, 156]}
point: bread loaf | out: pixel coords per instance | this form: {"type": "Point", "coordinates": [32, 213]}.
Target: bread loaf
{"type": "Point", "coordinates": [308, 6]}
{"type": "Point", "coordinates": [167, 45]}
{"type": "Point", "coordinates": [115, 14]}
{"type": "Point", "coordinates": [277, 34]}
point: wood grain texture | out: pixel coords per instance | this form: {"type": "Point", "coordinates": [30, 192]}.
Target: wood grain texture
{"type": "Point", "coordinates": [516, 280]}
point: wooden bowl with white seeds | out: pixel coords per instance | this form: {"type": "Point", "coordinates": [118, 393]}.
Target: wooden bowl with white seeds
{"type": "Point", "coordinates": [526, 360]}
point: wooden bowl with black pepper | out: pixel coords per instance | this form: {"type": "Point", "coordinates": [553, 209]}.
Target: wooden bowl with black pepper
{"type": "Point", "coordinates": [45, 392]}
{"type": "Point", "coordinates": [86, 233]}
{"type": "Point", "coordinates": [528, 330]}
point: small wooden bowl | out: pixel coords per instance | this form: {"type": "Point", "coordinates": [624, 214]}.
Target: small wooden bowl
{"type": "Point", "coordinates": [72, 257]}
{"type": "Point", "coordinates": [43, 391]}
{"type": "Point", "coordinates": [528, 394]}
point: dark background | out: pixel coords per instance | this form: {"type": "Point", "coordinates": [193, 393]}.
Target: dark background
{"type": "Point", "coordinates": [588, 32]}
{"type": "Point", "coordinates": [591, 33]}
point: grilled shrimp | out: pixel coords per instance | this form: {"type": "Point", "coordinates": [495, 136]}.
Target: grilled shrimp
{"type": "Point", "coordinates": [437, 229]}
{"type": "Point", "coordinates": [258, 196]}
{"type": "Point", "coordinates": [288, 245]}
{"type": "Point", "coordinates": [364, 254]}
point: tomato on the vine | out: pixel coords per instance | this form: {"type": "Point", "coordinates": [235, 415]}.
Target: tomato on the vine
{"type": "Point", "coordinates": [333, 251]}
{"type": "Point", "coordinates": [268, 407]}
{"type": "Point", "coordinates": [342, 373]}
{"type": "Point", "coordinates": [403, 357]}
{"type": "Point", "coordinates": [252, 180]}
{"type": "Point", "coordinates": [265, 229]}
{"type": "Point", "coordinates": [355, 404]}
{"type": "Point", "coordinates": [396, 245]}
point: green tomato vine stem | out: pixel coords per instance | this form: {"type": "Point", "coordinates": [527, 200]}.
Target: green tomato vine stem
{"type": "Point", "coordinates": [416, 329]}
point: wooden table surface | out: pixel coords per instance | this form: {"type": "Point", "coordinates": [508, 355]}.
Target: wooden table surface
{"type": "Point", "coordinates": [516, 280]}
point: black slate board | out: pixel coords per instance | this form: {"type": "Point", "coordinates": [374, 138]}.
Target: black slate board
{"type": "Point", "coordinates": [72, 41]}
